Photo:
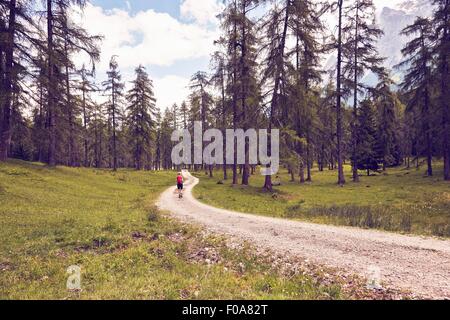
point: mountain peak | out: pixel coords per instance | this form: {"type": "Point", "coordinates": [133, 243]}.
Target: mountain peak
{"type": "Point", "coordinates": [393, 21]}
{"type": "Point", "coordinates": [416, 7]}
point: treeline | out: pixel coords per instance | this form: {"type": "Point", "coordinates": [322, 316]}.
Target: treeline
{"type": "Point", "coordinates": [48, 111]}
{"type": "Point", "coordinates": [266, 73]}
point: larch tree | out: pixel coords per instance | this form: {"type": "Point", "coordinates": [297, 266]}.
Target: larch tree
{"type": "Point", "coordinates": [418, 78]}
{"type": "Point", "coordinates": [219, 80]}
{"type": "Point", "coordinates": [18, 35]}
{"type": "Point", "coordinates": [248, 92]}
{"type": "Point", "coordinates": [141, 114]}
{"type": "Point", "coordinates": [114, 89]}
{"type": "Point", "coordinates": [64, 39]}
{"type": "Point", "coordinates": [230, 20]}
{"type": "Point", "coordinates": [361, 56]}
{"type": "Point", "coordinates": [306, 27]}
{"type": "Point", "coordinates": [441, 48]}
{"type": "Point", "coordinates": [326, 127]}
{"type": "Point", "coordinates": [175, 111]}
{"type": "Point", "coordinates": [387, 105]}
{"type": "Point", "coordinates": [276, 33]}
{"type": "Point", "coordinates": [184, 111]}
{"type": "Point", "coordinates": [203, 100]}
{"type": "Point", "coordinates": [339, 95]}
{"type": "Point", "coordinates": [368, 152]}
{"type": "Point", "coordinates": [86, 87]}
{"type": "Point", "coordinates": [157, 162]}
{"type": "Point", "coordinates": [8, 24]}
{"type": "Point", "coordinates": [166, 143]}
{"type": "Point", "coordinates": [96, 131]}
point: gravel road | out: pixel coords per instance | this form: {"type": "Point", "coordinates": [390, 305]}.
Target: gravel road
{"type": "Point", "coordinates": [417, 264]}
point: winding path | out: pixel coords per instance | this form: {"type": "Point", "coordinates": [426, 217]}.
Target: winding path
{"type": "Point", "coordinates": [417, 264]}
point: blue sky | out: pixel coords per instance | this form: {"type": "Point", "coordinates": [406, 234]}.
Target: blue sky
{"type": "Point", "coordinates": [171, 7]}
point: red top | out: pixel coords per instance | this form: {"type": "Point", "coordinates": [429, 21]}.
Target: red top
{"type": "Point", "coordinates": [180, 179]}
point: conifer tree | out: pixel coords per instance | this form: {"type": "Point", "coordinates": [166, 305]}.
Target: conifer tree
{"type": "Point", "coordinates": [114, 89]}
{"type": "Point", "coordinates": [441, 49]}
{"type": "Point", "coordinates": [418, 80]}
{"type": "Point", "coordinates": [368, 152]}
{"type": "Point", "coordinates": [276, 33]}
{"type": "Point", "coordinates": [141, 112]}
{"type": "Point", "coordinates": [387, 105]}
{"type": "Point", "coordinates": [360, 54]}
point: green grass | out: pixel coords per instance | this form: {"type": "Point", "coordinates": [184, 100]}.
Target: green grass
{"type": "Point", "coordinates": [399, 200]}
{"type": "Point", "coordinates": [106, 223]}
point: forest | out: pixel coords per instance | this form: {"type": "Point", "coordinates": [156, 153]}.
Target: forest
{"type": "Point", "coordinates": [267, 72]}
{"type": "Point", "coordinates": [358, 210]}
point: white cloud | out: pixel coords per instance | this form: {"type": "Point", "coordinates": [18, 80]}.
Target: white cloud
{"type": "Point", "coordinates": [151, 39]}
{"type": "Point", "coordinates": [171, 89]}
{"type": "Point", "coordinates": [148, 38]}
{"type": "Point", "coordinates": [331, 18]}
{"type": "Point", "coordinates": [380, 4]}
{"type": "Point", "coordinates": [201, 11]}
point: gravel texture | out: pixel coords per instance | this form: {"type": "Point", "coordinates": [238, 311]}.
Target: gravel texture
{"type": "Point", "coordinates": [420, 265]}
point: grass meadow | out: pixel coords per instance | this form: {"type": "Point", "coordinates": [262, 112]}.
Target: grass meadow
{"type": "Point", "coordinates": [398, 200]}
{"type": "Point", "coordinates": [107, 224]}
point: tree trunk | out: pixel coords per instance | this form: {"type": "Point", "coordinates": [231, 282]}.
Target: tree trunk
{"type": "Point", "coordinates": [429, 137]}
{"type": "Point", "coordinates": [322, 158]}
{"type": "Point", "coordinates": [235, 95]}
{"type": "Point", "coordinates": [224, 124]}
{"type": "Point", "coordinates": [50, 88]}
{"type": "Point", "coordinates": [355, 103]}
{"type": "Point", "coordinates": [274, 104]}
{"type": "Point", "coordinates": [341, 177]}
{"type": "Point", "coordinates": [100, 149]}
{"type": "Point", "coordinates": [69, 109]}
{"type": "Point", "coordinates": [244, 71]}
{"type": "Point", "coordinates": [40, 124]}
{"type": "Point", "coordinates": [308, 159]}
{"type": "Point", "coordinates": [85, 162]}
{"type": "Point", "coordinates": [302, 172]}
{"type": "Point", "coordinates": [444, 97]}
{"type": "Point", "coordinates": [5, 134]}
{"type": "Point", "coordinates": [114, 146]}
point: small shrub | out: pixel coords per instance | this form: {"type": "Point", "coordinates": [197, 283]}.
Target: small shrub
{"type": "Point", "coordinates": [101, 242]}
{"type": "Point", "coordinates": [110, 226]}
{"type": "Point", "coordinates": [406, 222]}
{"type": "Point", "coordinates": [441, 230]}
{"type": "Point", "coordinates": [294, 210]}
{"type": "Point", "coordinates": [153, 215]}
{"type": "Point", "coordinates": [369, 223]}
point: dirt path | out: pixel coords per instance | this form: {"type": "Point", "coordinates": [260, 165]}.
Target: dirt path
{"type": "Point", "coordinates": [417, 264]}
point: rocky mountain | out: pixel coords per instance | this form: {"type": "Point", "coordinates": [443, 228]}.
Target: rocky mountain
{"type": "Point", "coordinates": [393, 21]}
{"type": "Point", "coordinates": [393, 17]}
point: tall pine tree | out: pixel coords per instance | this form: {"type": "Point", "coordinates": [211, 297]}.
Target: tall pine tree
{"type": "Point", "coordinates": [141, 113]}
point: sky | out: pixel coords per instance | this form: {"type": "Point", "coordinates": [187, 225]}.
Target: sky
{"type": "Point", "coordinates": [173, 39]}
